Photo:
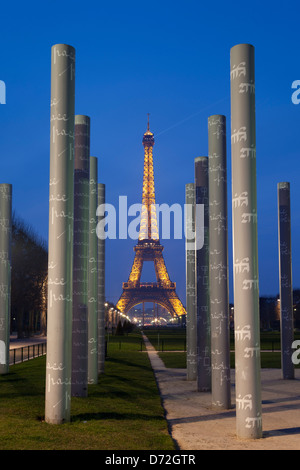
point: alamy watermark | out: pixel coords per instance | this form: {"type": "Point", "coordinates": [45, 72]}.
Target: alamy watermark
{"type": "Point", "coordinates": [296, 94]}
{"type": "Point", "coordinates": [2, 92]}
{"type": "Point", "coordinates": [115, 224]}
{"type": "Point", "coordinates": [296, 354]}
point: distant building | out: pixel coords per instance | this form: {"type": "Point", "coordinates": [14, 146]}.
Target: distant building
{"type": "Point", "coordinates": [270, 312]}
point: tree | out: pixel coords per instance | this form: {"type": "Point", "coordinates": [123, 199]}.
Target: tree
{"type": "Point", "coordinates": [29, 279]}
{"type": "Point", "coordinates": [119, 330]}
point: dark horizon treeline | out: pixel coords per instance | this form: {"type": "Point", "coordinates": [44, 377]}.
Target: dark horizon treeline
{"type": "Point", "coordinates": [270, 311]}
{"type": "Point", "coordinates": [28, 280]}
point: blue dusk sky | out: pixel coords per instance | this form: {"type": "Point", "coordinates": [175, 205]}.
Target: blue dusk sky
{"type": "Point", "coordinates": [167, 58]}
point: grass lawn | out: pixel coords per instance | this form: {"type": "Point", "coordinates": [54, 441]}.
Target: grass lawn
{"type": "Point", "coordinates": [171, 345]}
{"type": "Point", "coordinates": [174, 339]}
{"type": "Point", "coordinates": [167, 339]}
{"type": "Point", "coordinates": [178, 360]}
{"type": "Point", "coordinates": [122, 412]}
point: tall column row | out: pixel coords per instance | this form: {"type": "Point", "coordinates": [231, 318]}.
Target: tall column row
{"type": "Point", "coordinates": [211, 262]}
{"type": "Point", "coordinates": [93, 276]}
{"type": "Point", "coordinates": [202, 276]}
{"type": "Point", "coordinates": [191, 321]}
{"type": "Point", "coordinates": [73, 327]}
{"type": "Point", "coordinates": [218, 263]}
{"type": "Point", "coordinates": [245, 251]}
{"type": "Point", "coordinates": [285, 279]}
{"type": "Point", "coordinates": [80, 256]}
{"type": "Point", "coordinates": [5, 273]}
{"type": "Point", "coordinates": [60, 245]}
{"type": "Point", "coordinates": [101, 287]}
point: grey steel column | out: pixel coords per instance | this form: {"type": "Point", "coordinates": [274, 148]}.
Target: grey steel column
{"type": "Point", "coordinates": [285, 280]}
{"type": "Point", "coordinates": [190, 260]}
{"type": "Point", "coordinates": [60, 254]}
{"type": "Point", "coordinates": [101, 287]}
{"type": "Point", "coordinates": [202, 276]}
{"type": "Point", "coordinates": [245, 253]}
{"type": "Point", "coordinates": [5, 273]}
{"type": "Point", "coordinates": [93, 276]}
{"type": "Point", "coordinates": [81, 253]}
{"type": "Point", "coordinates": [218, 260]}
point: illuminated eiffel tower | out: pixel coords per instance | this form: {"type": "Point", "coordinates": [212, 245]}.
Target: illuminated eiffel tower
{"type": "Point", "coordinates": [148, 248]}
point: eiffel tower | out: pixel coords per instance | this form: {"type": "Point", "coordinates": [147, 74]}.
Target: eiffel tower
{"type": "Point", "coordinates": [148, 248]}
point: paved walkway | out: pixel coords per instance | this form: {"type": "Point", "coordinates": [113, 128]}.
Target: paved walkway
{"type": "Point", "coordinates": [23, 349]}
{"type": "Point", "coordinates": [194, 424]}
{"type": "Point", "coordinates": [16, 342]}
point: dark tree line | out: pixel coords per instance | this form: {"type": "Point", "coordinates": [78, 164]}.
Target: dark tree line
{"type": "Point", "coordinates": [270, 311]}
{"type": "Point", "coordinates": [28, 280]}
{"type": "Point", "coordinates": [124, 329]}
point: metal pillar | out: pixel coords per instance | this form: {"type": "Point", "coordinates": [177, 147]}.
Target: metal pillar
{"type": "Point", "coordinates": [285, 280]}
{"type": "Point", "coordinates": [60, 254]}
{"type": "Point", "coordinates": [190, 260]}
{"type": "Point", "coordinates": [202, 276]}
{"type": "Point", "coordinates": [5, 273]}
{"type": "Point", "coordinates": [245, 253]}
{"type": "Point", "coordinates": [218, 260]}
{"type": "Point", "coordinates": [80, 259]}
{"type": "Point", "coordinates": [101, 287]}
{"type": "Point", "coordinates": [93, 276]}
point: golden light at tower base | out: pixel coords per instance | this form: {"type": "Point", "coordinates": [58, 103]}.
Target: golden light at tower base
{"type": "Point", "coordinates": [148, 248]}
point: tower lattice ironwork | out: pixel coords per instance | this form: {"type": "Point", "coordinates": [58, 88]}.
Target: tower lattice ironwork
{"type": "Point", "coordinates": [148, 248]}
